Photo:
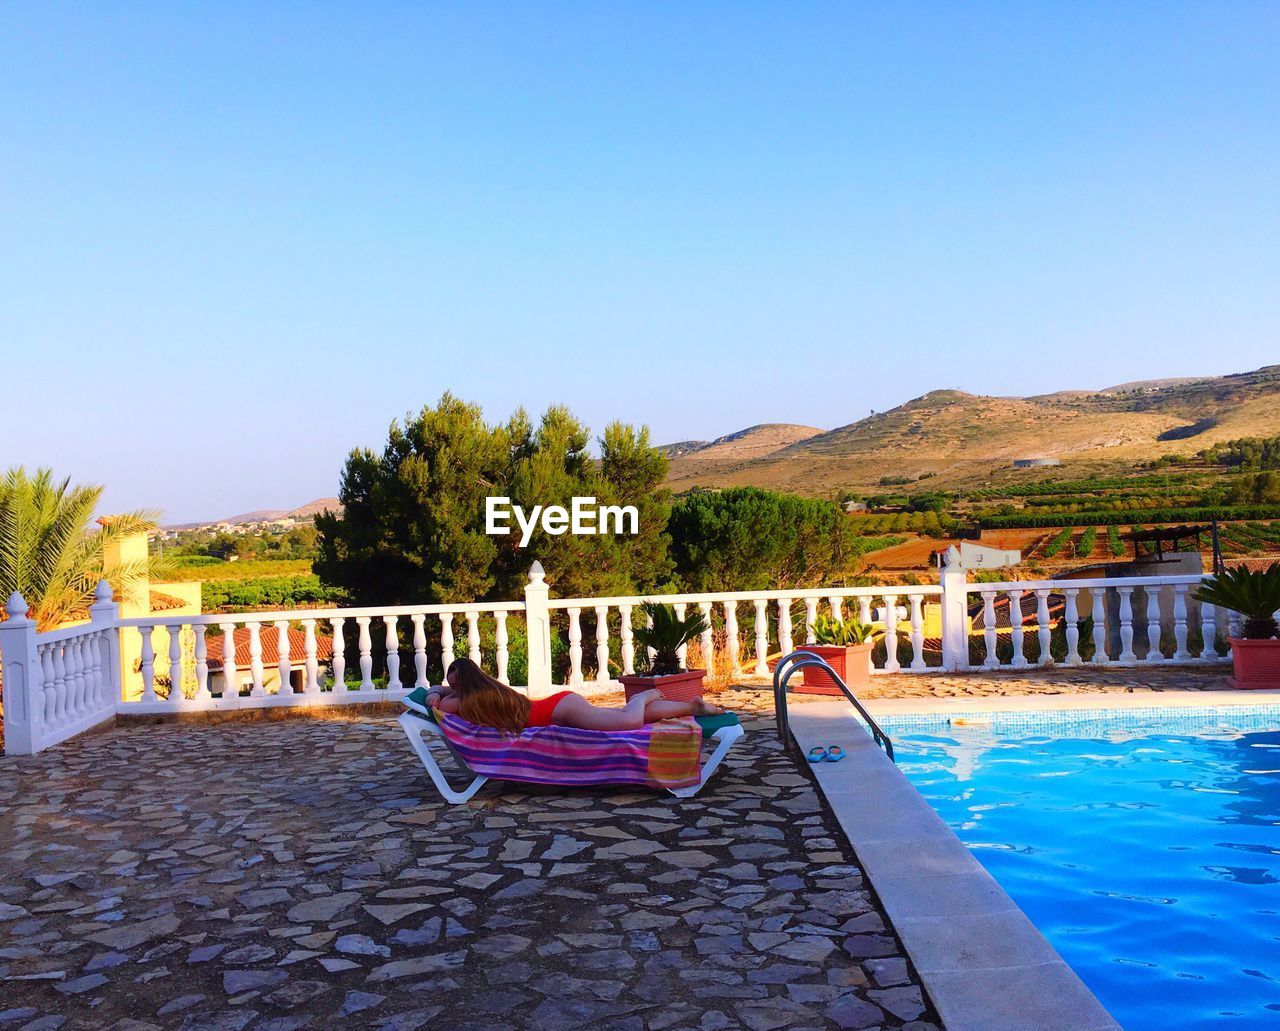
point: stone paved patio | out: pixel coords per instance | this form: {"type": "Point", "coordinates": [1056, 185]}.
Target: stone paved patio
{"type": "Point", "coordinates": [301, 873]}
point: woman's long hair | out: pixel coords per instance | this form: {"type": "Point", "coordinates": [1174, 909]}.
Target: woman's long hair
{"type": "Point", "coordinates": [485, 701]}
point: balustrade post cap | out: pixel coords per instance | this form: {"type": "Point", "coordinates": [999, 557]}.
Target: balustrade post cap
{"type": "Point", "coordinates": [952, 557]}
{"type": "Point", "coordinates": [16, 607]}
{"type": "Point", "coordinates": [103, 591]}
{"type": "Point", "coordinates": [536, 573]}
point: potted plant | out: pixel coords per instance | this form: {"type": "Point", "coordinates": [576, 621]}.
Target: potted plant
{"type": "Point", "coordinates": [665, 633]}
{"type": "Point", "coordinates": [1255, 594]}
{"type": "Point", "coordinates": [846, 646]}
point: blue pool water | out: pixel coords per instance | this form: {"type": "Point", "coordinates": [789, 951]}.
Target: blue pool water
{"type": "Point", "coordinates": [1146, 850]}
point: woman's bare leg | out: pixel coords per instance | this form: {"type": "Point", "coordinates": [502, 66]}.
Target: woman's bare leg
{"type": "Point", "coordinates": [666, 710]}
{"type": "Point", "coordinates": [576, 711]}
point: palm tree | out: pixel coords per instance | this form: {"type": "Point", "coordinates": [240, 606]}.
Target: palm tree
{"type": "Point", "coordinates": [49, 554]}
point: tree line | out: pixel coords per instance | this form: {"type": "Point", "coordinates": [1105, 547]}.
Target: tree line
{"type": "Point", "coordinates": [412, 524]}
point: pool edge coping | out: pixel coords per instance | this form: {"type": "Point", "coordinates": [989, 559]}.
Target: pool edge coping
{"type": "Point", "coordinates": [1046, 702]}
{"type": "Point", "coordinates": [981, 961]}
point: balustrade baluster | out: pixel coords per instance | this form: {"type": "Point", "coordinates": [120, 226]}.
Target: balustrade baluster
{"type": "Point", "coordinates": [708, 640]}
{"type": "Point", "coordinates": [837, 606]}
{"type": "Point", "coordinates": [1044, 628]}
{"type": "Point", "coordinates": [104, 695]}
{"type": "Point", "coordinates": [990, 637]}
{"type": "Point", "coordinates": [175, 662]}
{"type": "Point", "coordinates": [1072, 617]}
{"type": "Point", "coordinates": [500, 640]}
{"type": "Point", "coordinates": [392, 643]}
{"type": "Point", "coordinates": [731, 637]}
{"type": "Point", "coordinates": [284, 665]}
{"type": "Point", "coordinates": [1127, 654]}
{"type": "Point", "coordinates": [89, 669]}
{"type": "Point", "coordinates": [917, 632]}
{"type": "Point", "coordinates": [72, 651]}
{"type": "Point", "coordinates": [48, 685]}
{"type": "Point", "coordinates": [762, 638]}
{"type": "Point", "coordinates": [473, 637]}
{"type": "Point", "coordinates": [148, 665]}
{"type": "Point", "coordinates": [1100, 656]}
{"type": "Point", "coordinates": [310, 660]}
{"type": "Point", "coordinates": [1153, 625]}
{"type": "Point", "coordinates": [682, 653]}
{"type": "Point", "coordinates": [202, 664]}
{"type": "Point", "coordinates": [339, 661]}
{"type": "Point", "coordinates": [624, 633]}
{"type": "Point", "coordinates": [575, 647]}
{"type": "Point", "coordinates": [784, 626]}
{"type": "Point", "coordinates": [1016, 628]}
{"type": "Point", "coordinates": [446, 643]}
{"type": "Point", "coordinates": [810, 616]}
{"type": "Point", "coordinates": [419, 650]}
{"type": "Point", "coordinates": [864, 609]}
{"type": "Point", "coordinates": [230, 672]}
{"type": "Point", "coordinates": [1208, 632]}
{"type": "Point", "coordinates": [602, 646]}
{"type": "Point", "coordinates": [255, 660]}
{"type": "Point", "coordinates": [1180, 653]}
{"type": "Point", "coordinates": [891, 664]}
{"type": "Point", "coordinates": [364, 643]}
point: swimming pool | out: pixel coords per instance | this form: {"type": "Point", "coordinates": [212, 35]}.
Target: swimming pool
{"type": "Point", "coordinates": [1145, 846]}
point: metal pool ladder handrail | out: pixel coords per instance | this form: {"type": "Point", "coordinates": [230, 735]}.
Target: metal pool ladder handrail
{"type": "Point", "coordinates": [801, 659]}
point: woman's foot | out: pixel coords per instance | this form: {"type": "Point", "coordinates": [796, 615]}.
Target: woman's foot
{"type": "Point", "coordinates": [701, 707]}
{"type": "Point", "coordinates": [643, 698]}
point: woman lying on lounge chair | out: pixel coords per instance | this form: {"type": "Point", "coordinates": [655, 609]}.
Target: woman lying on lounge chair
{"type": "Point", "coordinates": [478, 698]}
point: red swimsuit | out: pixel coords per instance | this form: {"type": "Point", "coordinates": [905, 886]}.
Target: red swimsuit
{"type": "Point", "coordinates": [540, 709]}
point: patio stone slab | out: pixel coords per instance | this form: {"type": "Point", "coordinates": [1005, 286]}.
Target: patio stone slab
{"type": "Point", "coordinates": [301, 872]}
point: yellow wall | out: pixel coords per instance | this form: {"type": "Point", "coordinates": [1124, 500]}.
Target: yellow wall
{"type": "Point", "coordinates": [136, 604]}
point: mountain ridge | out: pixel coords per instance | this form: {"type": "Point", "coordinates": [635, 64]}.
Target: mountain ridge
{"type": "Point", "coordinates": [962, 437]}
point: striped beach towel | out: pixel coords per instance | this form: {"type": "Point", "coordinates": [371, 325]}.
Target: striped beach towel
{"type": "Point", "coordinates": [664, 755]}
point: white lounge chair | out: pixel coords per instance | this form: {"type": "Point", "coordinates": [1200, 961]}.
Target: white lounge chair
{"type": "Point", "coordinates": [418, 721]}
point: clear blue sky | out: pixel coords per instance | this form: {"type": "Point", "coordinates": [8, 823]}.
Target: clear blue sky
{"type": "Point", "coordinates": [238, 239]}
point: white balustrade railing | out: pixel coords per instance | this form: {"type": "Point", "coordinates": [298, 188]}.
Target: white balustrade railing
{"type": "Point", "coordinates": [408, 638]}
{"type": "Point", "coordinates": [58, 684]}
{"type": "Point", "coordinates": [1115, 621]}
{"type": "Point", "coordinates": [904, 614]}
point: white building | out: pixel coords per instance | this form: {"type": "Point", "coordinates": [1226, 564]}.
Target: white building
{"type": "Point", "coordinates": [982, 556]}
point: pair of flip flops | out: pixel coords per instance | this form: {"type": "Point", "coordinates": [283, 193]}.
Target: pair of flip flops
{"type": "Point", "coordinates": [831, 754]}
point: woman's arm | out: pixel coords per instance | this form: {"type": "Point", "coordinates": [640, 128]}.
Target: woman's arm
{"type": "Point", "coordinates": [443, 699]}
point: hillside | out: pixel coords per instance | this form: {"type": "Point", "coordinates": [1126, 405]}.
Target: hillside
{"type": "Point", "coordinates": [753, 442]}
{"type": "Point", "coordinates": [963, 439]}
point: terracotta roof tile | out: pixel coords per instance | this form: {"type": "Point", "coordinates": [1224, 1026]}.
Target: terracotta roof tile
{"type": "Point", "coordinates": [270, 651]}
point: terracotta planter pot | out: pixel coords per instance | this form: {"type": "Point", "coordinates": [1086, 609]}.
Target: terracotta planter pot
{"type": "Point", "coordinates": [852, 665]}
{"type": "Point", "coordinates": [675, 687]}
{"type": "Point", "coordinates": [1257, 664]}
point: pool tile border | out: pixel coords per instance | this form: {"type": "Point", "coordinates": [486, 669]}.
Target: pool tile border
{"type": "Point", "coordinates": [984, 965]}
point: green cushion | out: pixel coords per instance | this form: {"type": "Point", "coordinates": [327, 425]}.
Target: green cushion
{"type": "Point", "coordinates": [710, 724]}
{"type": "Point", "coordinates": [419, 697]}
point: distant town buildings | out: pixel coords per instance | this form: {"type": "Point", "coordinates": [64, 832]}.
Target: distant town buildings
{"type": "Point", "coordinates": [1032, 463]}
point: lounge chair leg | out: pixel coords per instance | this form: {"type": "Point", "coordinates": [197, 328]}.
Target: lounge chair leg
{"type": "Point", "coordinates": [414, 727]}
{"type": "Point", "coordinates": [726, 736]}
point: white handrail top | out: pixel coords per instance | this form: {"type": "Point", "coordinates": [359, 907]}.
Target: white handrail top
{"type": "Point", "coordinates": [1092, 582]}
{"type": "Point", "coordinates": [216, 618]}
{"type": "Point", "coordinates": [70, 633]}
{"type": "Point", "coordinates": [821, 593]}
